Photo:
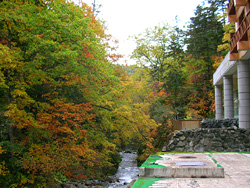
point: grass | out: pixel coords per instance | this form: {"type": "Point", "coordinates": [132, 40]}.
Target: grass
{"type": "Point", "coordinates": [145, 182]}
{"type": "Point", "coordinates": [150, 162]}
{"type": "Point", "coordinates": [215, 161]}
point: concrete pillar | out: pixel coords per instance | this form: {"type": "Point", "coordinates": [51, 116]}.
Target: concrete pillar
{"type": "Point", "coordinates": [228, 97]}
{"type": "Point", "coordinates": [218, 103]}
{"type": "Point", "coordinates": [244, 94]}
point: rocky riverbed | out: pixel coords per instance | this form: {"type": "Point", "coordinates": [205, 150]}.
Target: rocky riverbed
{"type": "Point", "coordinates": [127, 172]}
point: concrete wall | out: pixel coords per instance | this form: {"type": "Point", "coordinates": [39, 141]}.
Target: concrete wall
{"type": "Point", "coordinates": [226, 67]}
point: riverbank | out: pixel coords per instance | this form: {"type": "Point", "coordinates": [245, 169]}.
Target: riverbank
{"type": "Point", "coordinates": [126, 173]}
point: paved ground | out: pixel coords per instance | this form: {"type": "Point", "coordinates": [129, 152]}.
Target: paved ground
{"type": "Point", "coordinates": [237, 175]}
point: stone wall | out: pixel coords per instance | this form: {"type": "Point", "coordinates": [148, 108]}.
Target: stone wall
{"type": "Point", "coordinates": [231, 139]}
{"type": "Point", "coordinates": [219, 123]}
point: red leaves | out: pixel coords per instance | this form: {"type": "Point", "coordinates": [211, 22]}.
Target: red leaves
{"type": "Point", "coordinates": [78, 174]}
{"type": "Point", "coordinates": [87, 54]}
{"type": "Point", "coordinates": [158, 90]}
{"type": "Point", "coordinates": [150, 146]}
{"type": "Point", "coordinates": [63, 118]}
{"type": "Point", "coordinates": [65, 122]}
{"type": "Point", "coordinates": [4, 41]}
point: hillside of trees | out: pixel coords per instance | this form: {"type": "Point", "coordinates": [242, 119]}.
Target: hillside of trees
{"type": "Point", "coordinates": [67, 107]}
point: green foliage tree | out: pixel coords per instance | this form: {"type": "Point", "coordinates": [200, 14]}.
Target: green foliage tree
{"type": "Point", "coordinates": [205, 33]}
{"type": "Point", "coordinates": [152, 50]}
{"type": "Point", "coordinates": [160, 50]}
{"type": "Point", "coordinates": [184, 76]}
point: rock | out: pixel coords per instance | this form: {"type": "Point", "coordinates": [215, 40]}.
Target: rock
{"type": "Point", "coordinates": [180, 133]}
{"type": "Point", "coordinates": [242, 147]}
{"type": "Point", "coordinates": [89, 182]}
{"type": "Point", "coordinates": [236, 150]}
{"type": "Point", "coordinates": [172, 146]}
{"type": "Point", "coordinates": [207, 141]}
{"type": "Point", "coordinates": [170, 149]}
{"type": "Point", "coordinates": [216, 144]}
{"type": "Point", "coordinates": [182, 138]}
{"type": "Point", "coordinates": [247, 145]}
{"type": "Point", "coordinates": [164, 148]}
{"type": "Point", "coordinates": [171, 141]}
{"type": "Point", "coordinates": [216, 139]}
{"type": "Point", "coordinates": [180, 149]}
{"type": "Point", "coordinates": [210, 135]}
{"type": "Point", "coordinates": [202, 141]}
{"type": "Point", "coordinates": [199, 148]}
{"type": "Point", "coordinates": [69, 185]}
{"type": "Point", "coordinates": [189, 150]}
{"type": "Point", "coordinates": [247, 132]}
{"type": "Point", "coordinates": [191, 144]}
{"type": "Point", "coordinates": [181, 144]}
{"type": "Point", "coordinates": [188, 131]}
{"type": "Point", "coordinates": [79, 185]}
{"type": "Point", "coordinates": [128, 151]}
{"type": "Point", "coordinates": [220, 149]}
{"type": "Point", "coordinates": [211, 123]}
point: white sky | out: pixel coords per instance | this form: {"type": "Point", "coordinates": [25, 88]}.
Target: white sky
{"type": "Point", "coordinates": [126, 18]}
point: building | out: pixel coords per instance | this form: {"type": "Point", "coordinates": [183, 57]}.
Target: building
{"type": "Point", "coordinates": [232, 78]}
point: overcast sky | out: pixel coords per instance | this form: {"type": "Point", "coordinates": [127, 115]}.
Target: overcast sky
{"type": "Point", "coordinates": [130, 17]}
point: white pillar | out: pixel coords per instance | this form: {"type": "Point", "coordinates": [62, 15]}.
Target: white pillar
{"type": "Point", "coordinates": [244, 94]}
{"type": "Point", "coordinates": [218, 103]}
{"type": "Point", "coordinates": [228, 97]}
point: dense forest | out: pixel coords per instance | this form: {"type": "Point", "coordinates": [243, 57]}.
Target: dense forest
{"type": "Point", "coordinates": [67, 107]}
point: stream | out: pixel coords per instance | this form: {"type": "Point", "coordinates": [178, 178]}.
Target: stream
{"type": "Point", "coordinates": [127, 171]}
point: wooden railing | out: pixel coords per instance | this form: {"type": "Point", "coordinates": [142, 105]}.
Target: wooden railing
{"type": "Point", "coordinates": [241, 33]}
{"type": "Point", "coordinates": [231, 7]}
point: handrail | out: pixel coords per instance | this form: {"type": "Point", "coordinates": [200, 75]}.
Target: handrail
{"type": "Point", "coordinates": [240, 33]}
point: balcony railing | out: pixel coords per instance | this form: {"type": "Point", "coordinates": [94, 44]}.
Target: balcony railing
{"type": "Point", "coordinates": [240, 2]}
{"type": "Point", "coordinates": [231, 7]}
{"type": "Point", "coordinates": [241, 33]}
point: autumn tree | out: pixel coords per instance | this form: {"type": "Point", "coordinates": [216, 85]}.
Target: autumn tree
{"type": "Point", "coordinates": [224, 48]}
{"type": "Point", "coordinates": [126, 112]}
{"type": "Point", "coordinates": [66, 110]}
{"type": "Point", "coordinates": [54, 68]}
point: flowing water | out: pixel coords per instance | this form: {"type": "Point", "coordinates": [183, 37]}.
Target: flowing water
{"type": "Point", "coordinates": [127, 171]}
